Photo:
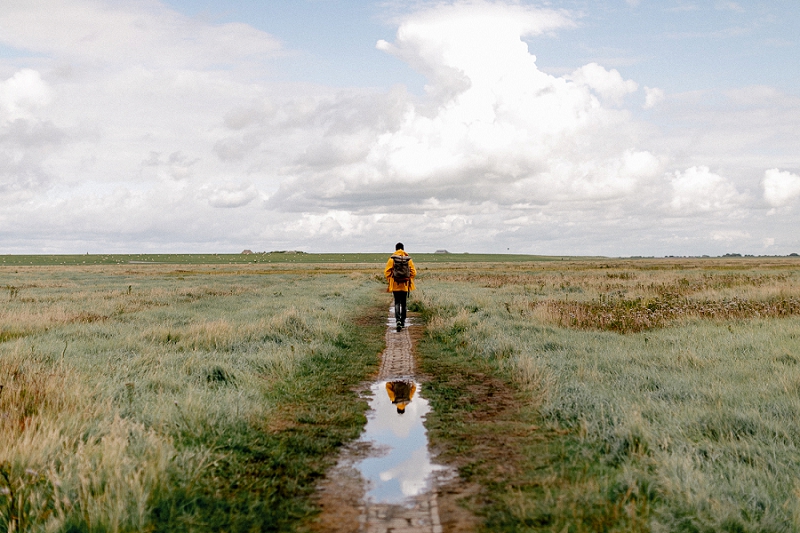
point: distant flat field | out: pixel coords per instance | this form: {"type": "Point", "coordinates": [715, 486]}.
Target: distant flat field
{"type": "Point", "coordinates": [271, 257]}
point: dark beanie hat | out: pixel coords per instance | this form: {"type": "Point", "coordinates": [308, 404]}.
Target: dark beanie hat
{"type": "Point", "coordinates": [399, 246]}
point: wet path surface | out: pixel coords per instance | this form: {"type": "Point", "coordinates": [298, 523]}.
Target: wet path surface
{"type": "Point", "coordinates": [401, 467]}
{"type": "Point", "coordinates": [389, 471]}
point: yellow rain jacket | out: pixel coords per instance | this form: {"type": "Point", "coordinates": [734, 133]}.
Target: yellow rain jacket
{"type": "Point", "coordinates": [401, 389]}
{"type": "Point", "coordinates": [407, 286]}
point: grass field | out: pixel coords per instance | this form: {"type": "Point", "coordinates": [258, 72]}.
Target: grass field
{"type": "Point", "coordinates": [620, 395]}
{"type": "Point", "coordinates": [154, 398]}
{"type": "Point", "coordinates": [591, 395]}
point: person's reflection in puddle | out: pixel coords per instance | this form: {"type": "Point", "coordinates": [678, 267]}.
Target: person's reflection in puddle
{"type": "Point", "coordinates": [400, 393]}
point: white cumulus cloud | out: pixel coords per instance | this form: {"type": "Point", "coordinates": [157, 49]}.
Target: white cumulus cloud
{"type": "Point", "coordinates": [609, 84]}
{"type": "Point", "coordinates": [22, 94]}
{"type": "Point", "coordinates": [495, 128]}
{"type": "Point", "coordinates": [780, 187]}
{"type": "Point", "coordinates": [697, 189]}
{"type": "Point", "coordinates": [653, 97]}
{"type": "Point", "coordinates": [171, 124]}
{"type": "Point", "coordinates": [452, 43]}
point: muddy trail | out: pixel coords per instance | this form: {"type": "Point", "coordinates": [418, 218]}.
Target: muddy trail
{"type": "Point", "coordinates": [388, 481]}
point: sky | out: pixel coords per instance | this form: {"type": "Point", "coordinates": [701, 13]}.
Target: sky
{"type": "Point", "coordinates": [615, 128]}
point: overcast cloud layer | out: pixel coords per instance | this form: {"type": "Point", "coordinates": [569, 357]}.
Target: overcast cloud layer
{"type": "Point", "coordinates": [127, 126]}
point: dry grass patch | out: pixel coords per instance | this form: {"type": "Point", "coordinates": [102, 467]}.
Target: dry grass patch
{"type": "Point", "coordinates": [632, 316]}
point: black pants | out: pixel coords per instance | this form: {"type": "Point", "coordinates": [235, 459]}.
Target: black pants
{"type": "Point", "coordinates": [400, 298]}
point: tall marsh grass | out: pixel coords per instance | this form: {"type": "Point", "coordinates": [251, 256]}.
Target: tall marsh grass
{"type": "Point", "coordinates": [145, 399]}
{"type": "Point", "coordinates": [627, 296]}
{"type": "Point", "coordinates": [685, 423]}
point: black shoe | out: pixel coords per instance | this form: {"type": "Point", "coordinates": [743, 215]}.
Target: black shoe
{"type": "Point", "coordinates": [399, 326]}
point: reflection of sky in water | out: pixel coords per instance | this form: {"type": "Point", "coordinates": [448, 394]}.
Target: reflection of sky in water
{"type": "Point", "coordinates": [392, 321]}
{"type": "Point", "coordinates": [404, 464]}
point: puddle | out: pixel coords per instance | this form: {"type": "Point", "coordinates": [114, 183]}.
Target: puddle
{"type": "Point", "coordinates": [400, 467]}
{"type": "Point", "coordinates": [386, 481]}
{"type": "Point", "coordinates": [391, 321]}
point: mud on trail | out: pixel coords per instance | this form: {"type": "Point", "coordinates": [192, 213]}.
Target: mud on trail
{"type": "Point", "coordinates": [416, 493]}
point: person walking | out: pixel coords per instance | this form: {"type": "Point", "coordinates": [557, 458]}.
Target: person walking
{"type": "Point", "coordinates": [400, 271]}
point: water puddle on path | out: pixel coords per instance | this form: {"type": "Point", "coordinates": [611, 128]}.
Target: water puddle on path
{"type": "Point", "coordinates": [401, 466]}
{"type": "Point", "coordinates": [387, 481]}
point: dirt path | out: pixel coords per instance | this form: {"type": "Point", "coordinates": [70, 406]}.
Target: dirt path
{"type": "Point", "coordinates": [342, 492]}
{"type": "Point", "coordinates": [397, 360]}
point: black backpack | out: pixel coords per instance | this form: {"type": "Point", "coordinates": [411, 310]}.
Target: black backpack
{"type": "Point", "coordinates": [401, 272]}
{"type": "Point", "coordinates": [402, 391]}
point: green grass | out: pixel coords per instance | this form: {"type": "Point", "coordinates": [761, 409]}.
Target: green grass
{"type": "Point", "coordinates": [155, 398]}
{"type": "Point", "coordinates": [689, 425]}
{"type": "Point", "coordinates": [203, 397]}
